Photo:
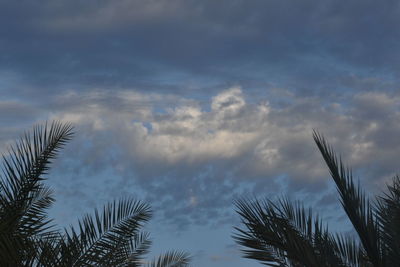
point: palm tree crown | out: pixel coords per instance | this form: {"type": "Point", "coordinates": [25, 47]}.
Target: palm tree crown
{"type": "Point", "coordinates": [287, 234]}
{"type": "Point", "coordinates": [112, 236]}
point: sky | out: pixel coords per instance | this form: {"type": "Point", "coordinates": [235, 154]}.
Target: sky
{"type": "Point", "coordinates": [189, 105]}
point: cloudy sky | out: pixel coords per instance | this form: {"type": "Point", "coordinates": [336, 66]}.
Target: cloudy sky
{"type": "Point", "coordinates": [190, 104]}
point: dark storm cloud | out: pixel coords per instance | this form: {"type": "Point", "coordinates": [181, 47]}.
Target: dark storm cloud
{"type": "Point", "coordinates": [64, 44]}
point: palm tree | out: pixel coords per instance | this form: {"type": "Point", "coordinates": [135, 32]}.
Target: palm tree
{"type": "Point", "coordinates": [286, 234]}
{"type": "Point", "coordinates": [109, 237]}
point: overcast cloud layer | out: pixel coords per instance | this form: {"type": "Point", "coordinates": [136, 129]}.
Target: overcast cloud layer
{"type": "Point", "coordinates": [152, 44]}
{"type": "Point", "coordinates": [191, 104]}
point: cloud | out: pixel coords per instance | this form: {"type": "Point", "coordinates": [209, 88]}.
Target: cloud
{"type": "Point", "coordinates": [95, 16]}
{"type": "Point", "coordinates": [125, 44]}
{"type": "Point", "coordinates": [190, 158]}
{"type": "Point", "coordinates": [190, 104]}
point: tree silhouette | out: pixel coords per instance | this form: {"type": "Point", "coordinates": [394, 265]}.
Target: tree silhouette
{"type": "Point", "coordinates": [286, 234]}
{"type": "Point", "coordinates": [112, 236]}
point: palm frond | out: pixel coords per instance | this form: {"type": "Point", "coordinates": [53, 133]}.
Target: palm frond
{"type": "Point", "coordinates": [10, 249]}
{"type": "Point", "coordinates": [35, 216]}
{"type": "Point", "coordinates": [171, 259]}
{"type": "Point", "coordinates": [23, 197]}
{"type": "Point", "coordinates": [138, 247]}
{"type": "Point", "coordinates": [356, 205]}
{"type": "Point", "coordinates": [49, 249]}
{"type": "Point", "coordinates": [110, 237]}
{"type": "Point", "coordinates": [349, 251]}
{"type": "Point", "coordinates": [105, 238]}
{"type": "Point", "coordinates": [29, 159]}
{"type": "Point", "coordinates": [284, 235]}
{"type": "Point", "coordinates": [261, 238]}
{"type": "Point", "coordinates": [388, 214]}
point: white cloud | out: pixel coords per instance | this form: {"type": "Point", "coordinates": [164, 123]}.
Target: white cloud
{"type": "Point", "coordinates": [258, 139]}
{"type": "Point", "coordinates": [188, 134]}
{"type": "Point", "coordinates": [229, 102]}
{"type": "Point", "coordinates": [200, 153]}
{"type": "Point", "coordinates": [266, 141]}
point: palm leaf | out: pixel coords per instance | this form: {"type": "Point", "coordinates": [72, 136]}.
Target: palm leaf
{"type": "Point", "coordinates": [138, 247]}
{"type": "Point", "coordinates": [111, 237]}
{"type": "Point", "coordinates": [350, 251]}
{"type": "Point", "coordinates": [106, 237]}
{"type": "Point", "coordinates": [357, 207]}
{"type": "Point", "coordinates": [388, 214]}
{"type": "Point", "coordinates": [284, 234]}
{"type": "Point", "coordinates": [23, 198]}
{"type": "Point", "coordinates": [171, 259]}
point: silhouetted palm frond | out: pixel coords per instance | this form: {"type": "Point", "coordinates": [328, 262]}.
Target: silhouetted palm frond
{"type": "Point", "coordinates": [23, 198]}
{"type": "Point", "coordinates": [388, 214]}
{"type": "Point", "coordinates": [171, 259]}
{"type": "Point", "coordinates": [284, 234]}
{"type": "Point", "coordinates": [138, 247]}
{"type": "Point", "coordinates": [106, 239]}
{"type": "Point", "coordinates": [349, 250]}
{"type": "Point", "coordinates": [357, 207]}
{"type": "Point", "coordinates": [110, 237]}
